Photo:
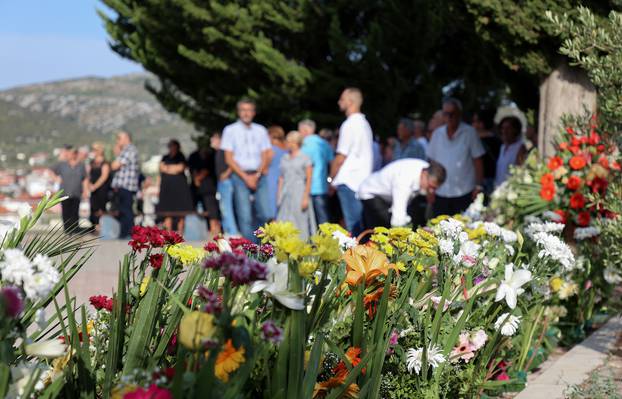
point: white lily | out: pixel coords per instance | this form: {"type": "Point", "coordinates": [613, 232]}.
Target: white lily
{"type": "Point", "coordinates": [276, 285]}
{"type": "Point", "coordinates": [510, 288]}
{"type": "Point", "coordinates": [51, 349]}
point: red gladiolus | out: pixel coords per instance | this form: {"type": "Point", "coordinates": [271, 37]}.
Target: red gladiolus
{"type": "Point", "coordinates": [615, 165]}
{"type": "Point", "coordinates": [547, 179]}
{"type": "Point", "coordinates": [574, 149]}
{"type": "Point", "coordinates": [547, 192]}
{"type": "Point", "coordinates": [569, 130]}
{"type": "Point", "coordinates": [604, 162]}
{"type": "Point", "coordinates": [563, 146]}
{"type": "Point", "coordinates": [155, 260]}
{"type": "Point", "coordinates": [577, 201]}
{"type": "Point", "coordinates": [600, 148]}
{"type": "Point", "coordinates": [583, 219]}
{"type": "Point", "coordinates": [594, 139]}
{"type": "Point", "coordinates": [555, 162]}
{"type": "Point", "coordinates": [577, 162]}
{"type": "Point", "coordinates": [574, 182]}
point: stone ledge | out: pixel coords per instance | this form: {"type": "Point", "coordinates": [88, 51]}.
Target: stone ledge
{"type": "Point", "coordinates": [575, 366]}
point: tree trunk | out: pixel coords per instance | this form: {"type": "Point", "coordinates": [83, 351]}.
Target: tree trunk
{"type": "Point", "coordinates": [567, 90]}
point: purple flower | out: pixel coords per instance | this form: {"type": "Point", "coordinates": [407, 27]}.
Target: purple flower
{"type": "Point", "coordinates": [238, 268]}
{"type": "Point", "coordinates": [271, 332]}
{"type": "Point", "coordinates": [250, 247]}
{"type": "Point", "coordinates": [479, 279]}
{"type": "Point", "coordinates": [213, 301]}
{"type": "Point", "coordinates": [267, 250]}
{"type": "Point", "coordinates": [13, 301]}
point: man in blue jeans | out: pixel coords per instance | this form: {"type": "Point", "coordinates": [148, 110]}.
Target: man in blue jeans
{"type": "Point", "coordinates": [125, 181]}
{"type": "Point", "coordinates": [321, 154]}
{"type": "Point", "coordinates": [224, 188]}
{"type": "Point", "coordinates": [248, 150]}
{"type": "Point", "coordinates": [354, 159]}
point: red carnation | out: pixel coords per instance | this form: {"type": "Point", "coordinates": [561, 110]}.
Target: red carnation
{"type": "Point", "coordinates": [569, 130]}
{"type": "Point", "coordinates": [101, 302]}
{"type": "Point", "coordinates": [171, 237]}
{"type": "Point", "coordinates": [577, 162]}
{"type": "Point", "coordinates": [577, 201]}
{"type": "Point", "coordinates": [547, 192]}
{"type": "Point", "coordinates": [211, 247]}
{"type": "Point", "coordinates": [574, 182]}
{"type": "Point", "coordinates": [604, 162]}
{"type": "Point", "coordinates": [599, 185]}
{"type": "Point", "coordinates": [547, 179]}
{"type": "Point", "coordinates": [615, 165]}
{"type": "Point", "coordinates": [594, 139]}
{"type": "Point", "coordinates": [583, 219]}
{"type": "Point", "coordinates": [153, 392]}
{"type": "Point", "coordinates": [155, 260]}
{"type": "Point", "coordinates": [555, 162]}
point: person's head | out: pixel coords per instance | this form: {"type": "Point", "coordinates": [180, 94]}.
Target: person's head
{"type": "Point", "coordinates": [483, 120]}
{"type": "Point", "coordinates": [306, 127]}
{"type": "Point", "coordinates": [405, 129]}
{"type": "Point", "coordinates": [246, 110]}
{"type": "Point", "coordinates": [432, 178]}
{"type": "Point", "coordinates": [510, 128]}
{"type": "Point", "coordinates": [174, 147]}
{"type": "Point", "coordinates": [277, 134]}
{"type": "Point", "coordinates": [435, 122]}
{"type": "Point", "coordinates": [72, 154]}
{"type": "Point", "coordinates": [294, 140]}
{"type": "Point", "coordinates": [350, 101]}
{"type": "Point", "coordinates": [123, 139]}
{"type": "Point", "coordinates": [419, 127]}
{"type": "Point", "coordinates": [326, 134]}
{"type": "Point", "coordinates": [452, 113]}
{"type": "Point", "coordinates": [98, 149]}
{"type": "Point", "coordinates": [214, 140]}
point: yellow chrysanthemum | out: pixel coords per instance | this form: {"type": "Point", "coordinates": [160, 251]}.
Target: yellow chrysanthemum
{"type": "Point", "coordinates": [428, 252]}
{"type": "Point", "coordinates": [326, 248]}
{"type": "Point", "coordinates": [388, 249]}
{"type": "Point", "coordinates": [438, 219]}
{"type": "Point", "coordinates": [427, 236]}
{"type": "Point", "coordinates": [400, 266]}
{"type": "Point", "coordinates": [144, 284]}
{"type": "Point", "coordinates": [399, 233]}
{"type": "Point", "coordinates": [292, 247]}
{"type": "Point", "coordinates": [419, 267]}
{"type": "Point", "coordinates": [328, 229]}
{"type": "Point", "coordinates": [274, 231]}
{"type": "Point", "coordinates": [195, 329]}
{"type": "Point", "coordinates": [476, 233]}
{"type": "Point", "coordinates": [186, 254]}
{"type": "Point", "coordinates": [556, 283]}
{"type": "Point", "coordinates": [307, 268]}
{"type": "Point", "coordinates": [379, 238]}
{"type": "Point", "coordinates": [381, 230]}
{"type": "Point", "coordinates": [229, 359]}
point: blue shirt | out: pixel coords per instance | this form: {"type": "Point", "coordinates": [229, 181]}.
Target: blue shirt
{"type": "Point", "coordinates": [273, 177]}
{"type": "Point", "coordinates": [320, 153]}
{"type": "Point", "coordinates": [412, 149]}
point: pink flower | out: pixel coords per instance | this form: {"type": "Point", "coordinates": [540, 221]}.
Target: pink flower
{"type": "Point", "coordinates": [503, 376]}
{"type": "Point", "coordinates": [478, 339]}
{"type": "Point", "coordinates": [464, 350]}
{"type": "Point", "coordinates": [153, 392]}
{"type": "Point", "coordinates": [13, 301]}
{"type": "Point", "coordinates": [393, 338]}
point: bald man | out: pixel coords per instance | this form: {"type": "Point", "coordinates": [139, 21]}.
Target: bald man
{"type": "Point", "coordinates": [354, 160]}
{"type": "Point", "coordinates": [125, 180]}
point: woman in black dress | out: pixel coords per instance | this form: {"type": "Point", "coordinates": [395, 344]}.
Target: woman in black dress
{"type": "Point", "coordinates": [175, 199]}
{"type": "Point", "coordinates": [99, 183]}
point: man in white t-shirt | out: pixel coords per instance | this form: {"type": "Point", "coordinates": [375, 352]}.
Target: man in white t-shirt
{"type": "Point", "coordinates": [248, 151]}
{"type": "Point", "coordinates": [457, 147]}
{"type": "Point", "coordinates": [386, 194]}
{"type": "Point", "coordinates": [354, 159]}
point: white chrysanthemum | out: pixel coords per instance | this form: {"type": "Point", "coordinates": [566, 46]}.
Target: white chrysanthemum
{"type": "Point", "coordinates": [42, 281]}
{"type": "Point", "coordinates": [547, 227]}
{"type": "Point", "coordinates": [475, 210]}
{"type": "Point", "coordinates": [507, 324]}
{"type": "Point", "coordinates": [345, 241]}
{"type": "Point", "coordinates": [15, 267]}
{"type": "Point", "coordinates": [554, 248]}
{"type": "Point", "coordinates": [492, 229]}
{"type": "Point", "coordinates": [582, 233]}
{"type": "Point", "coordinates": [446, 246]}
{"type": "Point", "coordinates": [414, 358]}
{"type": "Point", "coordinates": [509, 236]}
{"type": "Point", "coordinates": [451, 228]}
{"type": "Point", "coordinates": [612, 276]}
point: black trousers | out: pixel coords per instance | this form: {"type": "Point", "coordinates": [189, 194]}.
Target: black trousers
{"type": "Point", "coordinates": [70, 213]}
{"type": "Point", "coordinates": [376, 213]}
{"type": "Point", "coordinates": [451, 206]}
{"type": "Point", "coordinates": [126, 211]}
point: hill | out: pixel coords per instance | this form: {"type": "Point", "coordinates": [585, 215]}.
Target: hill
{"type": "Point", "coordinates": [45, 116]}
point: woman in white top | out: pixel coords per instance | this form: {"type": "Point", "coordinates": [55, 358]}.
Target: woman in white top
{"type": "Point", "coordinates": [512, 150]}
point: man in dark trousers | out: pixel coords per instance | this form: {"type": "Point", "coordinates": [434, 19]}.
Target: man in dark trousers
{"type": "Point", "coordinates": [73, 181]}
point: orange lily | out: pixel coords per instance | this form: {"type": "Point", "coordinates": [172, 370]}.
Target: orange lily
{"type": "Point", "coordinates": [364, 263]}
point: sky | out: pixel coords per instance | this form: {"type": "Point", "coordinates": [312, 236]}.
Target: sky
{"type": "Point", "coordinates": [47, 40]}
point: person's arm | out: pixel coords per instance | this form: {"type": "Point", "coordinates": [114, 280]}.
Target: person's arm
{"type": "Point", "coordinates": [336, 165]}
{"type": "Point", "coordinates": [478, 164]}
{"type": "Point", "coordinates": [266, 159]}
{"type": "Point", "coordinates": [305, 196]}
{"type": "Point", "coordinates": [176, 168]}
{"type": "Point", "coordinates": [235, 168]}
{"type": "Point", "coordinates": [102, 178]}
{"type": "Point", "coordinates": [521, 156]}
{"type": "Point", "coordinates": [85, 188]}
{"type": "Point", "coordinates": [279, 190]}
{"type": "Point", "coordinates": [400, 194]}
{"type": "Point", "coordinates": [119, 161]}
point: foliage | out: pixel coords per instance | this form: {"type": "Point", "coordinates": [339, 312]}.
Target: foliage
{"type": "Point", "coordinates": [595, 44]}
{"type": "Point", "coordinates": [600, 385]}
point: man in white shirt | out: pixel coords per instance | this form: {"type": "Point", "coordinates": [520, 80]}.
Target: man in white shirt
{"type": "Point", "coordinates": [457, 147]}
{"type": "Point", "coordinates": [386, 194]}
{"type": "Point", "coordinates": [248, 151]}
{"type": "Point", "coordinates": [354, 159]}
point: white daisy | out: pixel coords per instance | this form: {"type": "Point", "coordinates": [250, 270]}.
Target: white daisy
{"type": "Point", "coordinates": [508, 324]}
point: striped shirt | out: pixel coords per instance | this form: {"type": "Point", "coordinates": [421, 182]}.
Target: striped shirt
{"type": "Point", "coordinates": [128, 174]}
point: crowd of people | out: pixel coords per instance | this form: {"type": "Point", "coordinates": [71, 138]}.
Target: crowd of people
{"type": "Point", "coordinates": [250, 174]}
